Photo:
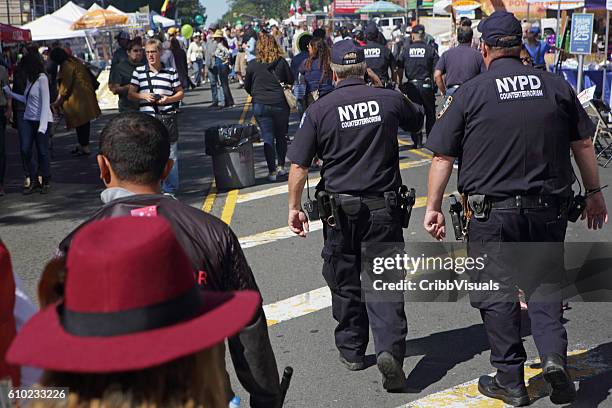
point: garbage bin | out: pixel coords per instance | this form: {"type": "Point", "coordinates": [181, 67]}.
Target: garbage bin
{"type": "Point", "coordinates": [231, 148]}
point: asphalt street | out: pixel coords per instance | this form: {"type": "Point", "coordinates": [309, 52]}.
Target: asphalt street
{"type": "Point", "coordinates": [446, 345]}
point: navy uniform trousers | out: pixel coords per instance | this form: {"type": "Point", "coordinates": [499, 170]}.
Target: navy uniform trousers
{"type": "Point", "coordinates": [541, 281]}
{"type": "Point", "coordinates": [341, 270]}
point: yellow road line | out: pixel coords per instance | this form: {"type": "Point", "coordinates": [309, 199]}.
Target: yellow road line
{"type": "Point", "coordinates": [421, 153]}
{"type": "Point", "coordinates": [230, 205]}
{"type": "Point", "coordinates": [209, 201]}
{"type": "Point", "coordinates": [582, 364]}
{"type": "Point", "coordinates": [245, 110]}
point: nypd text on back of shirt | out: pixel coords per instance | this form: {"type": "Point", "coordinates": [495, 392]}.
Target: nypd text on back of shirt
{"type": "Point", "coordinates": [515, 87]}
{"type": "Point", "coordinates": [359, 114]}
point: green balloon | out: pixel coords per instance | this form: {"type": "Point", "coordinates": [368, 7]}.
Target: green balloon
{"type": "Point", "coordinates": [199, 19]}
{"type": "Point", "coordinates": [187, 31]}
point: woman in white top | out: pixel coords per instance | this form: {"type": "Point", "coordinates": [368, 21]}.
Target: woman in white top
{"type": "Point", "coordinates": [195, 57]}
{"type": "Point", "coordinates": [37, 117]}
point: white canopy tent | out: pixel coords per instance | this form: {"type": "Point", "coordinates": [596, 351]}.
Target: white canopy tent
{"type": "Point", "coordinates": [95, 6]}
{"type": "Point", "coordinates": [295, 19]}
{"type": "Point", "coordinates": [70, 12]}
{"type": "Point", "coordinates": [115, 10]}
{"type": "Point", "coordinates": [163, 21]}
{"type": "Point", "coordinates": [50, 27]}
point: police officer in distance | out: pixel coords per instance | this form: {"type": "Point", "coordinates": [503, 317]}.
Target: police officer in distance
{"type": "Point", "coordinates": [512, 128]}
{"type": "Point", "coordinates": [418, 61]}
{"type": "Point", "coordinates": [354, 131]}
{"type": "Point", "coordinates": [458, 64]}
{"type": "Point", "coordinates": [378, 57]}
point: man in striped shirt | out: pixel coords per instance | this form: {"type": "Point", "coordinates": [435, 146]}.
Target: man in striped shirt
{"type": "Point", "coordinates": [159, 92]}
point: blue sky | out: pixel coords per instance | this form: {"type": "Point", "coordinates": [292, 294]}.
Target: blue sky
{"type": "Point", "coordinates": [214, 9]}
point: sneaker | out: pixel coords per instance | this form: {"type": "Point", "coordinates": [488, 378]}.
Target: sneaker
{"type": "Point", "coordinates": [517, 397]}
{"type": "Point", "coordinates": [272, 176]}
{"type": "Point", "coordinates": [352, 366]}
{"type": "Point", "coordinates": [44, 187]}
{"type": "Point", "coordinates": [32, 187]}
{"type": "Point", "coordinates": [562, 388]}
{"type": "Point", "coordinates": [26, 182]}
{"type": "Point", "coordinates": [214, 105]}
{"type": "Point", "coordinates": [280, 171]}
{"type": "Point", "coordinates": [394, 378]}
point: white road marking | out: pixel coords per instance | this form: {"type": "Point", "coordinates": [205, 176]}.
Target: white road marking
{"type": "Point", "coordinates": [299, 305]}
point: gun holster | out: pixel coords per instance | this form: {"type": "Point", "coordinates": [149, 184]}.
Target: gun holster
{"type": "Point", "coordinates": [328, 209]}
{"type": "Point", "coordinates": [404, 200]}
{"type": "Point", "coordinates": [457, 217]}
{"type": "Point", "coordinates": [576, 207]}
{"type": "Point", "coordinates": [479, 206]}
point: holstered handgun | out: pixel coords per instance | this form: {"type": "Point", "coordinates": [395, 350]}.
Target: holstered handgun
{"type": "Point", "coordinates": [405, 199]}
{"type": "Point", "coordinates": [328, 210]}
{"type": "Point", "coordinates": [479, 206]}
{"type": "Point", "coordinates": [457, 217]}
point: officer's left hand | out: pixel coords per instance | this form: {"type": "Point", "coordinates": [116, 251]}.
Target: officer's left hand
{"type": "Point", "coordinates": [298, 222]}
{"type": "Point", "coordinates": [434, 223]}
{"type": "Point", "coordinates": [595, 211]}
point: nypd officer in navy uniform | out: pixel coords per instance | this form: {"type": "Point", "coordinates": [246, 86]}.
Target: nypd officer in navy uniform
{"type": "Point", "coordinates": [378, 57]}
{"type": "Point", "coordinates": [513, 128]}
{"type": "Point", "coordinates": [418, 61]}
{"type": "Point", "coordinates": [354, 131]}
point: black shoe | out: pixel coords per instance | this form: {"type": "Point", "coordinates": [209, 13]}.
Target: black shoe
{"type": "Point", "coordinates": [417, 140]}
{"type": "Point", "coordinates": [562, 389]}
{"type": "Point", "coordinates": [352, 366]}
{"type": "Point", "coordinates": [31, 188]}
{"type": "Point", "coordinates": [213, 105]}
{"type": "Point", "coordinates": [44, 188]}
{"type": "Point", "coordinates": [394, 378]}
{"type": "Point", "coordinates": [517, 397]}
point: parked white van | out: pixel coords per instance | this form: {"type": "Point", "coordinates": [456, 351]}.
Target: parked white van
{"type": "Point", "coordinates": [389, 24]}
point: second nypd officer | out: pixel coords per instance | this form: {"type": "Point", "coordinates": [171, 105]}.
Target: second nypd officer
{"type": "Point", "coordinates": [378, 57]}
{"type": "Point", "coordinates": [354, 131]}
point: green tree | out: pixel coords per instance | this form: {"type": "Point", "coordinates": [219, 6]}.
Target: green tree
{"type": "Point", "coordinates": [278, 9]}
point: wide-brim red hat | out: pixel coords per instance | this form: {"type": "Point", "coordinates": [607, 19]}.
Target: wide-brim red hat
{"type": "Point", "coordinates": [116, 318]}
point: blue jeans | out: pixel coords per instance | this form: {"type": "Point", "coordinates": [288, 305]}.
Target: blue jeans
{"type": "Point", "coordinates": [171, 183]}
{"type": "Point", "coordinates": [197, 70]}
{"type": "Point", "coordinates": [273, 120]}
{"type": "Point", "coordinates": [30, 137]}
{"type": "Point", "coordinates": [215, 90]}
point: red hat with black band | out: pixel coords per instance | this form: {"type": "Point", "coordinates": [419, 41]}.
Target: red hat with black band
{"type": "Point", "coordinates": [131, 302]}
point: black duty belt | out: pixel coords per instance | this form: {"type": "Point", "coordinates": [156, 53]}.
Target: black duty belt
{"type": "Point", "coordinates": [525, 202]}
{"type": "Point", "coordinates": [373, 203]}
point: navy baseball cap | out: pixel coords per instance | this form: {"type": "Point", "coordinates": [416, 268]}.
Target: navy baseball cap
{"type": "Point", "coordinates": [346, 52]}
{"type": "Point", "coordinates": [534, 30]}
{"type": "Point", "coordinates": [418, 29]}
{"type": "Point", "coordinates": [371, 28]}
{"type": "Point", "coordinates": [499, 25]}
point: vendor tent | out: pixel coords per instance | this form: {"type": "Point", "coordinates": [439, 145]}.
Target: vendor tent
{"type": "Point", "coordinates": [70, 12]}
{"type": "Point", "coordinates": [114, 9]}
{"type": "Point", "coordinates": [9, 34]}
{"type": "Point", "coordinates": [380, 7]}
{"type": "Point", "coordinates": [50, 27]}
{"type": "Point", "coordinates": [295, 19]}
{"type": "Point", "coordinates": [98, 19]}
{"type": "Point", "coordinates": [163, 21]}
{"type": "Point", "coordinates": [95, 7]}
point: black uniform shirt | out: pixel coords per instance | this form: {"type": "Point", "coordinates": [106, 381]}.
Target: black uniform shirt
{"type": "Point", "coordinates": [511, 127]}
{"type": "Point", "coordinates": [354, 131]}
{"type": "Point", "coordinates": [379, 59]}
{"type": "Point", "coordinates": [460, 64]}
{"type": "Point", "coordinates": [419, 60]}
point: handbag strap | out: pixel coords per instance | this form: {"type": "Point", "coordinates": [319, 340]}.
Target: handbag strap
{"type": "Point", "coordinates": [155, 107]}
{"type": "Point", "coordinates": [272, 71]}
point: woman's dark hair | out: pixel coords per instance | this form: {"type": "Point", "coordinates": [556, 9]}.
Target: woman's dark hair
{"type": "Point", "coordinates": [323, 54]}
{"type": "Point", "coordinates": [304, 41]}
{"type": "Point", "coordinates": [224, 42]}
{"type": "Point", "coordinates": [464, 35]}
{"type": "Point", "coordinates": [58, 55]}
{"type": "Point", "coordinates": [33, 66]}
{"type": "Point", "coordinates": [248, 34]}
{"type": "Point", "coordinates": [174, 44]}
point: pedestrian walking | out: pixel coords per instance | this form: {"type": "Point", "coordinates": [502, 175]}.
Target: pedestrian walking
{"type": "Point", "coordinates": [195, 56]}
{"type": "Point", "coordinates": [459, 64]}
{"type": "Point", "coordinates": [121, 52]}
{"type": "Point", "coordinates": [120, 77]}
{"type": "Point", "coordinates": [216, 91]}
{"type": "Point", "coordinates": [76, 98]}
{"type": "Point", "coordinates": [316, 70]}
{"type": "Point", "coordinates": [264, 82]}
{"type": "Point", "coordinates": [537, 47]}
{"type": "Point", "coordinates": [418, 61]}
{"type": "Point", "coordinates": [509, 127]}
{"type": "Point", "coordinates": [222, 63]}
{"type": "Point", "coordinates": [37, 117]}
{"type": "Point", "coordinates": [180, 60]}
{"type": "Point", "coordinates": [159, 90]}
{"type": "Point", "coordinates": [360, 174]}
{"type": "Point", "coordinates": [95, 336]}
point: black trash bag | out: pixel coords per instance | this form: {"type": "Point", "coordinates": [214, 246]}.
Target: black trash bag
{"type": "Point", "coordinates": [228, 138]}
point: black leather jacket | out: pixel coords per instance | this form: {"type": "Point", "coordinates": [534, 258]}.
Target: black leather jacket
{"type": "Point", "coordinates": [216, 255]}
